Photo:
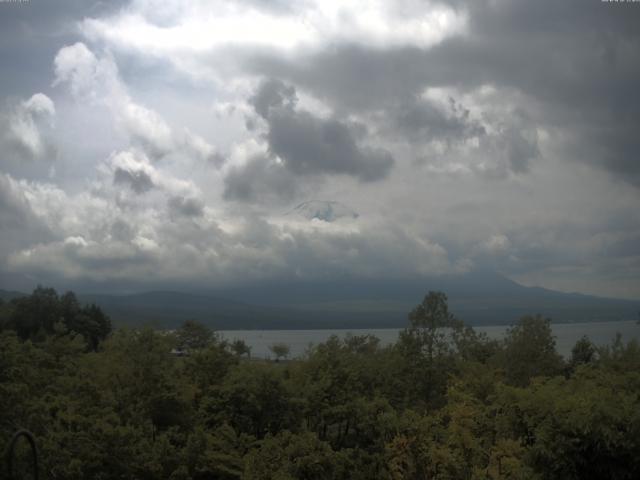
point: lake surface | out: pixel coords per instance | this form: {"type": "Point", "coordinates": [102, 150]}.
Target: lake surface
{"type": "Point", "coordinates": [601, 333]}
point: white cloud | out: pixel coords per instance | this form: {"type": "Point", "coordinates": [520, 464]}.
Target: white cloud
{"type": "Point", "coordinates": [40, 105]}
{"type": "Point", "coordinates": [25, 127]}
{"type": "Point", "coordinates": [202, 27]}
{"type": "Point", "coordinates": [87, 76]}
{"type": "Point", "coordinates": [147, 127]}
{"type": "Point", "coordinates": [134, 169]}
{"type": "Point", "coordinates": [96, 238]}
{"type": "Point", "coordinates": [77, 65]}
{"type": "Point", "coordinates": [97, 79]}
{"type": "Point", "coordinates": [497, 244]}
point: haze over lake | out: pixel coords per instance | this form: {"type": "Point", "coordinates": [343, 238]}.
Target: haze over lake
{"type": "Point", "coordinates": [600, 333]}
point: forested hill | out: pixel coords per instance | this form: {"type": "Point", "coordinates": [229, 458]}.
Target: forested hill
{"type": "Point", "coordinates": [6, 295]}
{"type": "Point", "coordinates": [479, 298]}
{"type": "Point", "coordinates": [443, 401]}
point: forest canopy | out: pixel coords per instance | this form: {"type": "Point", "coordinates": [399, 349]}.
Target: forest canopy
{"type": "Point", "coordinates": [442, 402]}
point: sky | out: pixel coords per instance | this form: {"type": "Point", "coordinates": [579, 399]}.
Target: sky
{"type": "Point", "coordinates": [208, 144]}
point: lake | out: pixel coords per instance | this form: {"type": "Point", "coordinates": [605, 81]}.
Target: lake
{"type": "Point", "coordinates": [566, 334]}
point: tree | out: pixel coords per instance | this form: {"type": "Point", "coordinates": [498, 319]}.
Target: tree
{"type": "Point", "coordinates": [254, 399]}
{"type": "Point", "coordinates": [288, 456]}
{"type": "Point", "coordinates": [620, 356]}
{"type": "Point", "coordinates": [193, 335]}
{"type": "Point", "coordinates": [583, 427]}
{"type": "Point", "coordinates": [5, 314]}
{"type": "Point", "coordinates": [280, 350]}
{"type": "Point", "coordinates": [428, 348]}
{"type": "Point", "coordinates": [530, 351]}
{"type": "Point", "coordinates": [36, 316]}
{"type": "Point", "coordinates": [208, 366]}
{"type": "Point", "coordinates": [430, 326]}
{"type": "Point", "coordinates": [92, 323]}
{"type": "Point", "coordinates": [240, 348]}
{"type": "Point", "coordinates": [584, 351]}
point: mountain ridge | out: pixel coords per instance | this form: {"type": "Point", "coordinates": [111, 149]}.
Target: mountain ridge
{"type": "Point", "coordinates": [478, 298]}
{"type": "Point", "coordinates": [324, 210]}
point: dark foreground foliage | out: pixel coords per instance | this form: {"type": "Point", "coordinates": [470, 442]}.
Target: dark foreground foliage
{"type": "Point", "coordinates": [441, 403]}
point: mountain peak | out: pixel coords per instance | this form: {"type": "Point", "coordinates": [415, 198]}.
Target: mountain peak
{"type": "Point", "coordinates": [327, 211]}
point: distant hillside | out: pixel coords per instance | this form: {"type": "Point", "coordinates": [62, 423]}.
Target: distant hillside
{"type": "Point", "coordinates": [169, 309]}
{"type": "Point", "coordinates": [7, 295]}
{"type": "Point", "coordinates": [478, 298]}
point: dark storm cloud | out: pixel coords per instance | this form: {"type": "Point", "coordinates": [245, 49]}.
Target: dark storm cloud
{"type": "Point", "coordinates": [138, 180]}
{"type": "Point", "coordinates": [616, 146]}
{"type": "Point", "coordinates": [261, 180]}
{"type": "Point", "coordinates": [310, 145]}
{"type": "Point", "coordinates": [421, 120]}
{"type": "Point", "coordinates": [273, 93]}
{"type": "Point", "coordinates": [121, 231]}
{"type": "Point", "coordinates": [576, 65]}
{"type": "Point", "coordinates": [351, 76]}
{"type": "Point", "coordinates": [520, 150]}
{"type": "Point", "coordinates": [523, 87]}
{"type": "Point", "coordinates": [185, 206]}
{"type": "Point", "coordinates": [627, 246]}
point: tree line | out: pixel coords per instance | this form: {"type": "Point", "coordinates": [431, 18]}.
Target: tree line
{"type": "Point", "coordinates": [442, 402]}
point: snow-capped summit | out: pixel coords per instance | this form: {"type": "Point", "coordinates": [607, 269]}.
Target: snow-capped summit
{"type": "Point", "coordinates": [323, 210]}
